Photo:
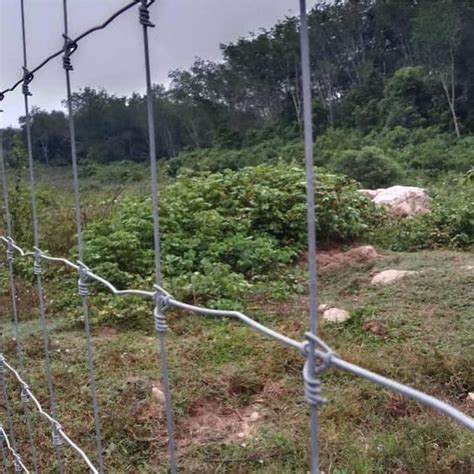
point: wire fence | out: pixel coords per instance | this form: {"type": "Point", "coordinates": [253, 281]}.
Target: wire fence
{"type": "Point", "coordinates": [318, 356]}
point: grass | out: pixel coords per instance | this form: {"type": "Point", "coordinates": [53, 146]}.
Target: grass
{"type": "Point", "coordinates": [222, 373]}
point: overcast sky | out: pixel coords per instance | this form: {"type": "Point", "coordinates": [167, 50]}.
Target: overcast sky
{"type": "Point", "coordinates": [113, 58]}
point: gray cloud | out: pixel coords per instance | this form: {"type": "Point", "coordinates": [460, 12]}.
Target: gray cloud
{"type": "Point", "coordinates": [113, 58]}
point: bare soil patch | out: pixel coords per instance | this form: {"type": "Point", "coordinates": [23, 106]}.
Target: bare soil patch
{"type": "Point", "coordinates": [334, 258]}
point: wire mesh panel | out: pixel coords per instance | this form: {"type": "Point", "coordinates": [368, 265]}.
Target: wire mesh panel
{"type": "Point", "coordinates": [318, 356]}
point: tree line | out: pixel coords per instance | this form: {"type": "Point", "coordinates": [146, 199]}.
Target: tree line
{"type": "Point", "coordinates": [375, 64]}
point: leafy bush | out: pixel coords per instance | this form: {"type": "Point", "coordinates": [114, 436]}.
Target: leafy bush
{"type": "Point", "coordinates": [224, 231]}
{"type": "Point", "coordinates": [122, 172]}
{"type": "Point", "coordinates": [219, 159]}
{"type": "Point", "coordinates": [370, 166]}
{"type": "Point", "coordinates": [333, 142]}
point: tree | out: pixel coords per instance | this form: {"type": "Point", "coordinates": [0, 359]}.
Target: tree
{"type": "Point", "coordinates": [436, 34]}
{"type": "Point", "coordinates": [49, 134]}
{"type": "Point", "coordinates": [410, 99]}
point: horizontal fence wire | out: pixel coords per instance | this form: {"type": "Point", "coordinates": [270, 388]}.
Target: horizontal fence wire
{"type": "Point", "coordinates": [17, 462]}
{"type": "Point", "coordinates": [319, 357]}
{"type": "Point", "coordinates": [28, 75]}
{"type": "Point", "coordinates": [58, 432]}
{"type": "Point", "coordinates": [323, 352]}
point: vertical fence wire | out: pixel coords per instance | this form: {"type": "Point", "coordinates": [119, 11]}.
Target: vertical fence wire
{"type": "Point", "coordinates": [311, 222]}
{"type": "Point", "coordinates": [160, 322]}
{"type": "Point", "coordinates": [13, 298]}
{"type": "Point", "coordinates": [4, 456]}
{"type": "Point", "coordinates": [69, 48]}
{"type": "Point", "coordinates": [37, 266]}
{"type": "Point", "coordinates": [8, 406]}
{"type": "Point", "coordinates": [310, 348]}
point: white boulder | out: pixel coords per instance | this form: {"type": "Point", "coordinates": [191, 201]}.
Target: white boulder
{"type": "Point", "coordinates": [336, 315]}
{"type": "Point", "coordinates": [400, 200]}
{"type": "Point", "coordinates": [390, 276]}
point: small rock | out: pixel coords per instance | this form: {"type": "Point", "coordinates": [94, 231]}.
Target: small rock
{"type": "Point", "coordinates": [323, 307]}
{"type": "Point", "coordinates": [467, 267]}
{"type": "Point", "coordinates": [470, 396]}
{"type": "Point", "coordinates": [254, 416]}
{"type": "Point", "coordinates": [336, 315]}
{"type": "Point", "coordinates": [390, 276]}
{"type": "Point", "coordinates": [158, 395]}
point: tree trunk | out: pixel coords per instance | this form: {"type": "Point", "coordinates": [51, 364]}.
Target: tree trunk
{"type": "Point", "coordinates": [44, 145]}
{"type": "Point", "coordinates": [450, 96]}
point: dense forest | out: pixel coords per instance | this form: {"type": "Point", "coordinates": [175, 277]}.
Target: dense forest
{"type": "Point", "coordinates": [376, 65]}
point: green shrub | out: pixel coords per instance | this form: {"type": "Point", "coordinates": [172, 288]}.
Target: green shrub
{"type": "Point", "coordinates": [449, 224]}
{"type": "Point", "coordinates": [223, 231]}
{"type": "Point", "coordinates": [335, 141]}
{"type": "Point", "coordinates": [120, 172]}
{"type": "Point", "coordinates": [369, 166]}
{"type": "Point", "coordinates": [219, 159]}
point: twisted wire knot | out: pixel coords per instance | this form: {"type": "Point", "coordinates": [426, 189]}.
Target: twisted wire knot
{"type": "Point", "coordinates": [160, 319]}
{"type": "Point", "coordinates": [70, 47]}
{"type": "Point", "coordinates": [82, 287]}
{"type": "Point", "coordinates": [25, 396]}
{"type": "Point", "coordinates": [312, 387]}
{"type": "Point", "coordinates": [17, 463]}
{"type": "Point", "coordinates": [2, 96]}
{"type": "Point", "coordinates": [144, 14]}
{"type": "Point", "coordinates": [67, 64]}
{"type": "Point", "coordinates": [37, 269]}
{"type": "Point", "coordinates": [56, 436]}
{"type": "Point", "coordinates": [312, 368]}
{"type": "Point", "coordinates": [25, 89]}
{"type": "Point", "coordinates": [27, 78]}
{"type": "Point", "coordinates": [9, 251]}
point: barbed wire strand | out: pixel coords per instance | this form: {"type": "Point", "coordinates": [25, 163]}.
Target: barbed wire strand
{"type": "Point", "coordinates": [17, 462]}
{"type": "Point", "coordinates": [160, 321]}
{"type": "Point", "coordinates": [69, 48]}
{"type": "Point", "coordinates": [311, 229]}
{"type": "Point", "coordinates": [75, 40]}
{"type": "Point", "coordinates": [14, 308]}
{"type": "Point", "coordinates": [54, 422]}
{"type": "Point", "coordinates": [37, 262]}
